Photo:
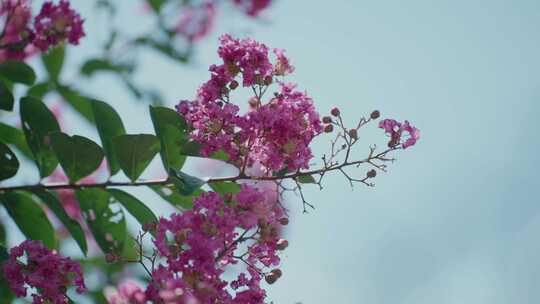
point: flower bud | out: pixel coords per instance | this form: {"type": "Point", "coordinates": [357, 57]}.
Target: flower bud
{"type": "Point", "coordinates": [371, 173]}
{"type": "Point", "coordinates": [277, 272]}
{"type": "Point", "coordinates": [180, 237]}
{"type": "Point", "coordinates": [353, 133]}
{"type": "Point", "coordinates": [335, 112]}
{"type": "Point", "coordinates": [282, 244]}
{"type": "Point", "coordinates": [271, 278]}
{"type": "Point", "coordinates": [328, 128]}
{"type": "Point", "coordinates": [327, 119]}
{"type": "Point", "coordinates": [111, 258]}
{"type": "Point", "coordinates": [284, 221]}
{"type": "Point", "coordinates": [233, 85]}
{"type": "Point", "coordinates": [268, 80]}
{"type": "Point", "coordinates": [375, 114]}
{"type": "Point", "coordinates": [151, 226]}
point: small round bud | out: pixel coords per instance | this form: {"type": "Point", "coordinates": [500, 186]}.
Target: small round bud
{"type": "Point", "coordinates": [371, 173]}
{"type": "Point", "coordinates": [328, 128]}
{"type": "Point", "coordinates": [179, 237]}
{"type": "Point", "coordinates": [268, 80]}
{"type": "Point", "coordinates": [277, 272]}
{"type": "Point", "coordinates": [151, 226]}
{"type": "Point", "coordinates": [282, 244]}
{"type": "Point", "coordinates": [110, 258]}
{"type": "Point", "coordinates": [228, 197]}
{"type": "Point", "coordinates": [220, 103]}
{"type": "Point", "coordinates": [284, 221]}
{"type": "Point", "coordinates": [375, 114]}
{"type": "Point", "coordinates": [259, 79]}
{"type": "Point", "coordinates": [233, 85]}
{"type": "Point", "coordinates": [353, 133]}
{"type": "Point", "coordinates": [271, 278]}
{"type": "Point", "coordinates": [253, 102]}
{"type": "Point", "coordinates": [335, 112]}
{"type": "Point", "coordinates": [327, 119]}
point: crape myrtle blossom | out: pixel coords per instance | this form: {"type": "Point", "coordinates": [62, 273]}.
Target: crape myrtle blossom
{"type": "Point", "coordinates": [196, 21]}
{"type": "Point", "coordinates": [199, 244]}
{"type": "Point", "coordinates": [275, 133]}
{"type": "Point", "coordinates": [396, 129]}
{"type": "Point", "coordinates": [32, 265]}
{"type": "Point", "coordinates": [21, 36]}
{"type": "Point", "coordinates": [128, 292]}
{"type": "Point", "coordinates": [252, 7]}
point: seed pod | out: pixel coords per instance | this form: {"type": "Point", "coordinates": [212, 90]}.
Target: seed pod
{"type": "Point", "coordinates": [327, 119]}
{"type": "Point", "coordinates": [284, 221]}
{"type": "Point", "coordinates": [268, 80]}
{"type": "Point", "coordinates": [233, 85]}
{"type": "Point", "coordinates": [271, 278]}
{"type": "Point", "coordinates": [335, 112]}
{"type": "Point", "coordinates": [353, 133]}
{"type": "Point", "coordinates": [328, 128]}
{"type": "Point", "coordinates": [371, 173]}
{"type": "Point", "coordinates": [282, 244]}
{"type": "Point", "coordinates": [375, 114]}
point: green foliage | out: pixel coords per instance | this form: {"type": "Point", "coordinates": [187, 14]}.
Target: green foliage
{"type": "Point", "coordinates": [186, 184]}
{"type": "Point", "coordinates": [134, 206]}
{"type": "Point", "coordinates": [53, 61]}
{"type": "Point", "coordinates": [135, 152]}
{"type": "Point", "coordinates": [104, 217]}
{"type": "Point", "coordinates": [109, 125]}
{"type": "Point", "coordinates": [225, 187]}
{"type": "Point", "coordinates": [29, 217]}
{"type": "Point", "coordinates": [6, 97]}
{"type": "Point", "coordinates": [170, 127]}
{"type": "Point", "coordinates": [171, 195]}
{"type": "Point", "coordinates": [9, 164]}
{"type": "Point", "coordinates": [38, 122]}
{"type": "Point", "coordinates": [306, 179]}
{"type": "Point", "coordinates": [18, 72]}
{"type": "Point", "coordinates": [71, 225]}
{"type": "Point", "coordinates": [78, 156]}
{"type": "Point", "coordinates": [93, 66]}
{"type": "Point", "coordinates": [13, 136]}
{"type": "Point", "coordinates": [77, 101]}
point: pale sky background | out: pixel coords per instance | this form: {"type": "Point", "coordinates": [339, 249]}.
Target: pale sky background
{"type": "Point", "coordinates": [457, 218]}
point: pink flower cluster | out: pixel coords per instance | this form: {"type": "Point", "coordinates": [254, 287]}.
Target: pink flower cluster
{"type": "Point", "coordinates": [54, 24]}
{"type": "Point", "coordinates": [200, 243]}
{"type": "Point", "coordinates": [196, 20]}
{"type": "Point", "coordinates": [32, 265]}
{"type": "Point", "coordinates": [128, 292]}
{"type": "Point", "coordinates": [396, 129]}
{"type": "Point", "coordinates": [274, 134]}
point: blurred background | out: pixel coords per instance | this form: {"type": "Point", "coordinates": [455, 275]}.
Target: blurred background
{"type": "Point", "coordinates": [456, 218]}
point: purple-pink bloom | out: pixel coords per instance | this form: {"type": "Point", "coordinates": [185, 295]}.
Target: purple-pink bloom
{"type": "Point", "coordinates": [196, 21]}
{"type": "Point", "coordinates": [252, 7]}
{"type": "Point", "coordinates": [45, 270]}
{"type": "Point", "coordinates": [56, 23]}
{"type": "Point", "coordinates": [396, 129]}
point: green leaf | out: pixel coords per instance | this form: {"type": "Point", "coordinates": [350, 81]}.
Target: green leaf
{"type": "Point", "coordinates": [104, 217]}
{"type": "Point", "coordinates": [6, 97]}
{"type": "Point", "coordinates": [39, 90]}
{"type": "Point", "coordinates": [78, 102]}
{"type": "Point", "coordinates": [134, 153]}
{"type": "Point", "coordinates": [9, 164]}
{"type": "Point", "coordinates": [53, 61]}
{"type": "Point", "coordinates": [92, 66]}
{"type": "Point", "coordinates": [18, 72]}
{"type": "Point", "coordinates": [185, 183]}
{"type": "Point", "coordinates": [109, 125]}
{"type": "Point", "coordinates": [6, 295]}
{"type": "Point", "coordinates": [38, 122]}
{"type": "Point", "coordinates": [156, 4]}
{"type": "Point", "coordinates": [78, 156]}
{"type": "Point", "coordinates": [306, 179]}
{"type": "Point", "coordinates": [71, 225]}
{"type": "Point", "coordinates": [29, 217]}
{"type": "Point", "coordinates": [165, 48]}
{"type": "Point", "coordinates": [171, 195]}
{"type": "Point", "coordinates": [13, 136]}
{"type": "Point", "coordinates": [170, 128]}
{"type": "Point", "coordinates": [225, 187]}
{"type": "Point", "coordinates": [135, 207]}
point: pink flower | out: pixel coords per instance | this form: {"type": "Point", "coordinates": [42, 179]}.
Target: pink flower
{"type": "Point", "coordinates": [128, 292]}
{"type": "Point", "coordinates": [252, 7]}
{"type": "Point", "coordinates": [17, 33]}
{"type": "Point", "coordinates": [396, 129]}
{"type": "Point", "coordinates": [56, 23]}
{"type": "Point", "coordinates": [196, 21]}
{"type": "Point", "coordinates": [44, 270]}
